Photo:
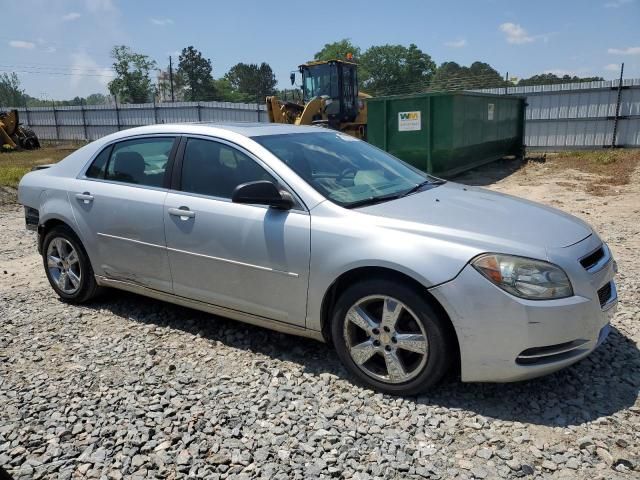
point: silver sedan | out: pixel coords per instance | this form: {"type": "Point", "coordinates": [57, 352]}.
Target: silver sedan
{"type": "Point", "coordinates": [311, 232]}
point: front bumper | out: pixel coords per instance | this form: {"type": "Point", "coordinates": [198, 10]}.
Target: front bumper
{"type": "Point", "coordinates": [503, 338]}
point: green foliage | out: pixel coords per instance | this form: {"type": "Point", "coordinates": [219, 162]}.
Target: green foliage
{"type": "Point", "coordinates": [338, 50]}
{"type": "Point", "coordinates": [96, 99]}
{"type": "Point", "coordinates": [133, 82]}
{"type": "Point", "coordinates": [226, 93]}
{"type": "Point", "coordinates": [15, 163]}
{"type": "Point", "coordinates": [11, 95]}
{"type": "Point", "coordinates": [93, 99]}
{"type": "Point", "coordinates": [195, 76]}
{"type": "Point", "coordinates": [452, 76]}
{"type": "Point", "coordinates": [253, 81]}
{"type": "Point", "coordinates": [394, 69]}
{"type": "Point", "coordinates": [550, 79]}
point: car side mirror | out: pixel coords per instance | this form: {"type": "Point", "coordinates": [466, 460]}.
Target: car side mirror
{"type": "Point", "coordinates": [262, 192]}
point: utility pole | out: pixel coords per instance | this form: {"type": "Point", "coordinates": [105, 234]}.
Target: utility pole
{"type": "Point", "coordinates": [171, 78]}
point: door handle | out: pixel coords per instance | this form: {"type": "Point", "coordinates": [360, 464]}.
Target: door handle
{"type": "Point", "coordinates": [182, 212]}
{"type": "Point", "coordinates": [86, 197]}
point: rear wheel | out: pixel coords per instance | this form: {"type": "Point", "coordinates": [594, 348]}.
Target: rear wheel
{"type": "Point", "coordinates": [388, 336]}
{"type": "Point", "coordinates": [67, 266]}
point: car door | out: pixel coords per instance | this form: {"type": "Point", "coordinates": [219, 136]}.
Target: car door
{"type": "Point", "coordinates": [119, 205]}
{"type": "Point", "coordinates": [249, 258]}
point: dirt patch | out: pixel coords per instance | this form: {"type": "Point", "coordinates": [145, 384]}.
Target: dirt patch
{"type": "Point", "coordinates": [608, 168]}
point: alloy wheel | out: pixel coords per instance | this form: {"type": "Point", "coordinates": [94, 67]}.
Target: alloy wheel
{"type": "Point", "coordinates": [385, 339]}
{"type": "Point", "coordinates": [63, 264]}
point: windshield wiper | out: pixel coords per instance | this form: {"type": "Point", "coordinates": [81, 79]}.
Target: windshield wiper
{"type": "Point", "coordinates": [420, 185]}
{"type": "Point", "coordinates": [384, 198]}
{"type": "Point", "coordinates": [373, 200]}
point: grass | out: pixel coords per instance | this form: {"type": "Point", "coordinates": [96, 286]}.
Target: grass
{"type": "Point", "coordinates": [13, 165]}
{"type": "Point", "coordinates": [608, 168]}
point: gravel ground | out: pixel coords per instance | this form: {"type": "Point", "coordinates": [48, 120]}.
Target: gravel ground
{"type": "Point", "coordinates": [129, 387]}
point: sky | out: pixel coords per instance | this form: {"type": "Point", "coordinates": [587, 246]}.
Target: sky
{"type": "Point", "coordinates": [61, 49]}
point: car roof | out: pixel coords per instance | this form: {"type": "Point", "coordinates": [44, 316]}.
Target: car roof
{"type": "Point", "coordinates": [246, 129]}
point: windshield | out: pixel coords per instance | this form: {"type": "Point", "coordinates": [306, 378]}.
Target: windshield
{"type": "Point", "coordinates": [319, 80]}
{"type": "Point", "coordinates": [345, 170]}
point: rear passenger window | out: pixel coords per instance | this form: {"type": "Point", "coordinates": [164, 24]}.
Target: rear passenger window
{"type": "Point", "coordinates": [140, 162]}
{"type": "Point", "coordinates": [99, 165]}
{"type": "Point", "coordinates": [215, 169]}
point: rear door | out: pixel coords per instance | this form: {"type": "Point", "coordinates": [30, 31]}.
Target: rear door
{"type": "Point", "coordinates": [118, 205]}
{"type": "Point", "coordinates": [249, 258]}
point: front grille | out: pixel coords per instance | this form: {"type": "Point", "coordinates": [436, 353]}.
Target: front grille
{"type": "Point", "coordinates": [592, 259]}
{"type": "Point", "coordinates": [604, 294]}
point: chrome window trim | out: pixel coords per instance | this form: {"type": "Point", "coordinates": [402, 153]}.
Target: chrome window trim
{"type": "Point", "coordinates": [202, 255]}
{"type": "Point", "coordinates": [227, 200]}
{"type": "Point", "coordinates": [124, 184]}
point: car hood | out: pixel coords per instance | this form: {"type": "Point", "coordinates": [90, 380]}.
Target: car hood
{"type": "Point", "coordinates": [474, 213]}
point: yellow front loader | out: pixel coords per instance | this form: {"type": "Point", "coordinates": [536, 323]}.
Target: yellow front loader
{"type": "Point", "coordinates": [330, 98]}
{"type": "Point", "coordinates": [14, 134]}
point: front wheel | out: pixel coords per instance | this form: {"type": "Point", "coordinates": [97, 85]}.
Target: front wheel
{"type": "Point", "coordinates": [390, 337]}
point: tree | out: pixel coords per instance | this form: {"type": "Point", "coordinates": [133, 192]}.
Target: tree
{"type": "Point", "coordinates": [253, 81]}
{"type": "Point", "coordinates": [11, 95]}
{"type": "Point", "coordinates": [452, 76]}
{"type": "Point", "coordinates": [226, 93]}
{"type": "Point", "coordinates": [133, 82]}
{"type": "Point", "coordinates": [395, 69]}
{"type": "Point", "coordinates": [96, 99]}
{"type": "Point", "coordinates": [195, 75]}
{"type": "Point", "coordinates": [338, 50]}
{"type": "Point", "coordinates": [550, 79]}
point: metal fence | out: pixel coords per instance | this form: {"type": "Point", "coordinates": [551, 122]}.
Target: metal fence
{"type": "Point", "coordinates": [580, 115]}
{"type": "Point", "coordinates": [558, 117]}
{"type": "Point", "coordinates": [94, 121]}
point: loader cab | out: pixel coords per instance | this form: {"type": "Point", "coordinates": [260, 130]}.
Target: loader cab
{"type": "Point", "coordinates": [336, 79]}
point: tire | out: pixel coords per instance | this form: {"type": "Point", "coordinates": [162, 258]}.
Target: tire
{"type": "Point", "coordinates": [423, 364]}
{"type": "Point", "coordinates": [28, 140]}
{"type": "Point", "coordinates": [57, 243]}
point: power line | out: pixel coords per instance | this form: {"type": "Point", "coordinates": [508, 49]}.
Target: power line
{"type": "Point", "coordinates": [70, 74]}
{"type": "Point", "coordinates": [45, 66]}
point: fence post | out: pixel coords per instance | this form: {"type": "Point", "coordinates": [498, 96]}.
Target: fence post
{"type": "Point", "coordinates": [26, 110]}
{"type": "Point", "coordinates": [615, 119]}
{"type": "Point", "coordinates": [117, 112]}
{"type": "Point", "coordinates": [258, 105]}
{"type": "Point", "coordinates": [199, 113]}
{"type": "Point", "coordinates": [155, 111]}
{"type": "Point", "coordinates": [84, 120]}
{"type": "Point", "coordinates": [55, 119]}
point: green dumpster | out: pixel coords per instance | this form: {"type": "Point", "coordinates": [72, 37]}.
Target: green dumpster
{"type": "Point", "coordinates": [447, 133]}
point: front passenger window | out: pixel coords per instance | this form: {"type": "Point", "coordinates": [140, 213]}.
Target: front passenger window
{"type": "Point", "coordinates": [215, 169]}
{"type": "Point", "coordinates": [140, 162]}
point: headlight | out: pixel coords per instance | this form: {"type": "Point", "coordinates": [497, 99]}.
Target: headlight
{"type": "Point", "coordinates": [524, 277]}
